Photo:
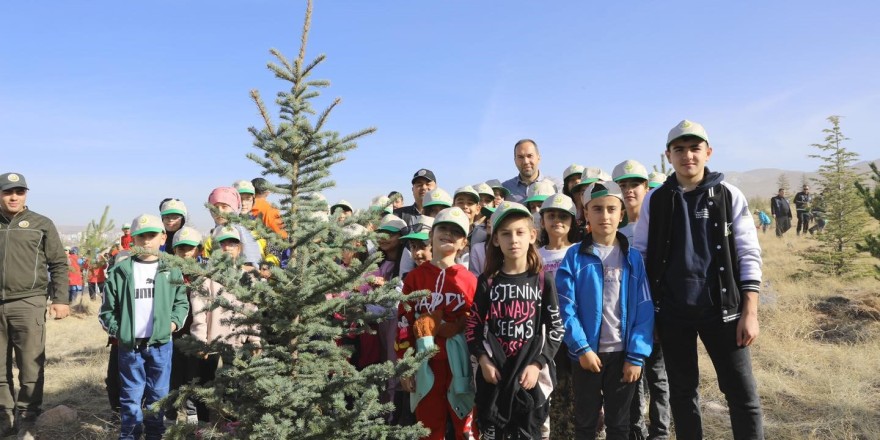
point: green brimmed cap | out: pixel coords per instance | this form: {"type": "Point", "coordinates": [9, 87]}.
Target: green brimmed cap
{"type": "Point", "coordinates": [573, 169]}
{"type": "Point", "coordinates": [186, 235]}
{"type": "Point", "coordinates": [392, 223]}
{"type": "Point", "coordinates": [419, 231]}
{"type": "Point", "coordinates": [601, 189]}
{"type": "Point", "coordinates": [244, 187]}
{"type": "Point", "coordinates": [146, 223]}
{"type": "Point", "coordinates": [496, 184]}
{"type": "Point", "coordinates": [592, 175]}
{"type": "Point", "coordinates": [468, 190]}
{"type": "Point", "coordinates": [453, 216]}
{"type": "Point", "coordinates": [484, 189]}
{"type": "Point", "coordinates": [561, 202]}
{"type": "Point", "coordinates": [226, 233]}
{"type": "Point", "coordinates": [341, 204]}
{"type": "Point", "coordinates": [629, 169]}
{"type": "Point", "coordinates": [686, 128]}
{"type": "Point", "coordinates": [539, 191]}
{"type": "Point", "coordinates": [172, 206]}
{"type": "Point", "coordinates": [505, 209]}
{"type": "Point", "coordinates": [437, 196]}
{"type": "Point", "coordinates": [656, 179]}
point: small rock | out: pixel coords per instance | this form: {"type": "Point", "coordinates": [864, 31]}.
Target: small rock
{"type": "Point", "coordinates": [58, 416]}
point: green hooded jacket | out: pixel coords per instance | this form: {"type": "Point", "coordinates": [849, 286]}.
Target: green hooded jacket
{"type": "Point", "coordinates": [170, 303]}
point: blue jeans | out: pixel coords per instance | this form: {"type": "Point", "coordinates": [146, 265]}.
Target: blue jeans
{"type": "Point", "coordinates": [144, 374]}
{"type": "Point", "coordinates": [73, 292]}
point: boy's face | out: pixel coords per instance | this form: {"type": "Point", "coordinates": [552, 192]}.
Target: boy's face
{"type": "Point", "coordinates": [688, 156]}
{"type": "Point", "coordinates": [577, 196]}
{"type": "Point", "coordinates": [446, 240]}
{"type": "Point", "coordinates": [265, 272]}
{"type": "Point", "coordinates": [172, 222]}
{"type": "Point", "coordinates": [247, 202]}
{"type": "Point", "coordinates": [634, 191]}
{"type": "Point", "coordinates": [431, 211]}
{"type": "Point", "coordinates": [571, 182]}
{"type": "Point", "coordinates": [534, 207]}
{"type": "Point", "coordinates": [150, 240]}
{"type": "Point", "coordinates": [12, 200]}
{"type": "Point", "coordinates": [186, 251]}
{"type": "Point", "coordinates": [420, 250]}
{"type": "Point", "coordinates": [604, 215]}
{"type": "Point", "coordinates": [343, 215]}
{"type": "Point", "coordinates": [231, 247]}
{"type": "Point", "coordinates": [467, 204]}
{"type": "Point", "coordinates": [514, 236]}
{"type": "Point", "coordinates": [224, 208]}
{"type": "Point", "coordinates": [398, 202]}
{"type": "Point", "coordinates": [486, 200]}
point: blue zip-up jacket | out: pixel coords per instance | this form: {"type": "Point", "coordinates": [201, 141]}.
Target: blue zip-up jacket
{"type": "Point", "coordinates": [580, 283]}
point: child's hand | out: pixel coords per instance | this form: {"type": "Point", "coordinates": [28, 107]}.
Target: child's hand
{"type": "Point", "coordinates": [631, 373]}
{"type": "Point", "coordinates": [377, 281]}
{"type": "Point", "coordinates": [490, 373]}
{"type": "Point", "coordinates": [529, 377]}
{"type": "Point", "coordinates": [173, 327]}
{"type": "Point", "coordinates": [408, 384]}
{"type": "Point", "coordinates": [590, 361]}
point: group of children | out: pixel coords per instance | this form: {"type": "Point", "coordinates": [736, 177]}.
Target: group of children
{"type": "Point", "coordinates": [148, 304]}
{"type": "Point", "coordinates": [527, 301]}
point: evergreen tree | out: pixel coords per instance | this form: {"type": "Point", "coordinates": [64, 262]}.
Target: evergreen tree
{"type": "Point", "coordinates": [871, 197]}
{"type": "Point", "coordinates": [95, 237]}
{"type": "Point", "coordinates": [297, 383]}
{"type": "Point", "coordinates": [663, 168]}
{"type": "Point", "coordinates": [836, 253]}
{"type": "Point", "coordinates": [782, 182]}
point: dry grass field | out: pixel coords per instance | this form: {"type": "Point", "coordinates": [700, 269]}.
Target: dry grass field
{"type": "Point", "coordinates": [817, 359]}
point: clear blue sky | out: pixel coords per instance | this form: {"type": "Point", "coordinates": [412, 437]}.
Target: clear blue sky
{"type": "Point", "coordinates": [125, 103]}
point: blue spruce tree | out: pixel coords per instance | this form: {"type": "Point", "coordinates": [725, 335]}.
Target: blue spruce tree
{"type": "Point", "coordinates": [291, 380]}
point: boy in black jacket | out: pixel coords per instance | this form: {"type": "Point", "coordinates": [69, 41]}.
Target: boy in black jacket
{"type": "Point", "coordinates": [704, 266]}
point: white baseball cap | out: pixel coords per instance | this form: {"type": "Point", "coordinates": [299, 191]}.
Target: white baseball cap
{"type": "Point", "coordinates": [186, 235]}
{"type": "Point", "coordinates": [146, 223]}
{"type": "Point", "coordinates": [687, 128]}
{"type": "Point", "coordinates": [454, 216]}
{"type": "Point", "coordinates": [629, 169]}
{"type": "Point", "coordinates": [602, 189]}
{"type": "Point", "coordinates": [437, 196]}
{"type": "Point", "coordinates": [559, 201]}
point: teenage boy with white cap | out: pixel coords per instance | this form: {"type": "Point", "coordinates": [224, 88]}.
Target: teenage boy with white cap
{"type": "Point", "coordinates": [633, 179]}
{"type": "Point", "coordinates": [704, 267]}
{"type": "Point", "coordinates": [145, 303]}
{"type": "Point", "coordinates": [608, 316]}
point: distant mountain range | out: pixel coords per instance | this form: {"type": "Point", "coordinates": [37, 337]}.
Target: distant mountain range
{"type": "Point", "coordinates": [763, 181]}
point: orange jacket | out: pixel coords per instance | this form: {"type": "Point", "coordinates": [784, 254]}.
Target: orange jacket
{"type": "Point", "coordinates": [270, 215]}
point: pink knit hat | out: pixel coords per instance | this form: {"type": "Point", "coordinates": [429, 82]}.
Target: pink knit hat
{"type": "Point", "coordinates": [227, 195]}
